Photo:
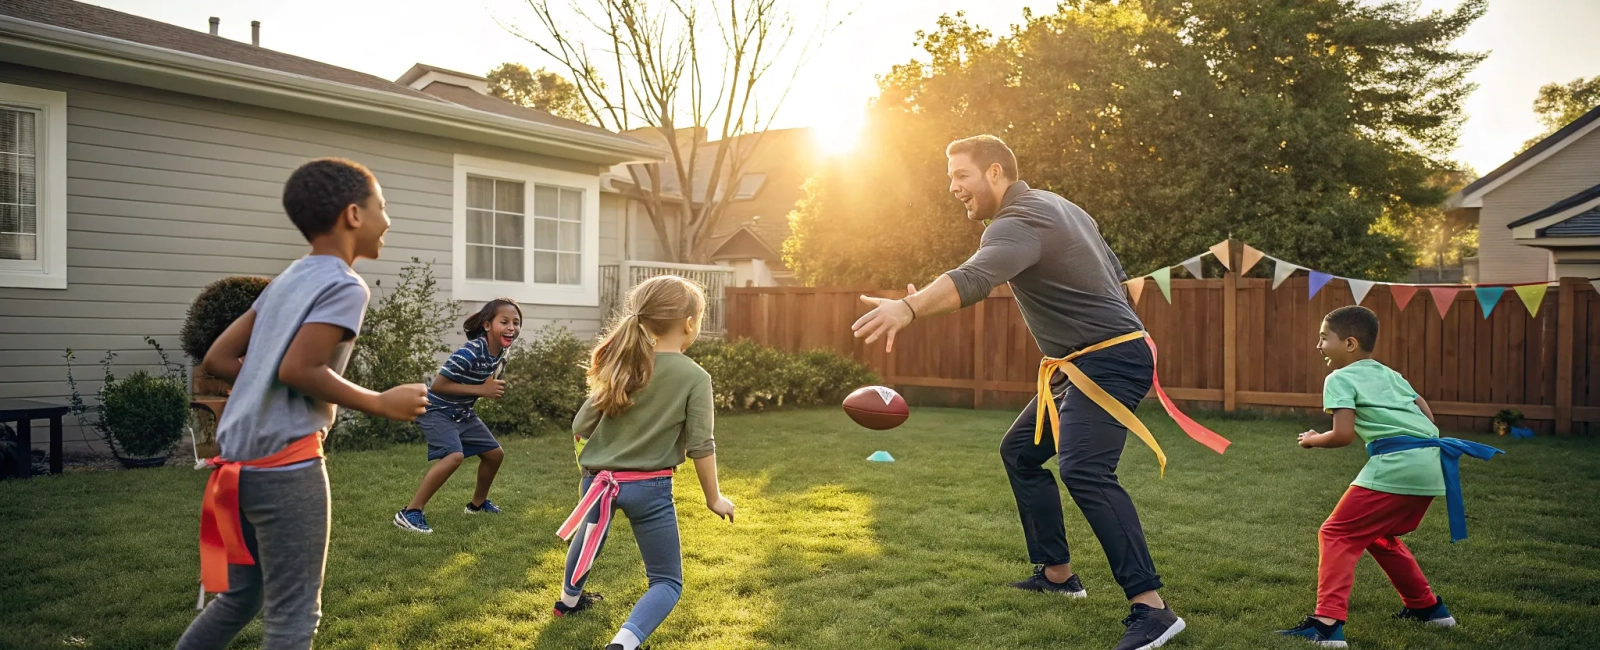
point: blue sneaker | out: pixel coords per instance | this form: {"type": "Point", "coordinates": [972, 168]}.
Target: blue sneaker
{"type": "Point", "coordinates": [1323, 636]}
{"type": "Point", "coordinates": [1437, 615]}
{"type": "Point", "coordinates": [411, 520]}
{"type": "Point", "coordinates": [487, 507]}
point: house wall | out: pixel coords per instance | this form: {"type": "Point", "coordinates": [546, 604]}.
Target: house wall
{"type": "Point", "coordinates": [168, 192]}
{"type": "Point", "coordinates": [1570, 170]}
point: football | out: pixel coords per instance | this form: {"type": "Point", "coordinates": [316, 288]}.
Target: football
{"type": "Point", "coordinates": [877, 408]}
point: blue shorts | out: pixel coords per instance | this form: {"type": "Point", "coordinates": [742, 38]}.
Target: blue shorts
{"type": "Point", "coordinates": [446, 436]}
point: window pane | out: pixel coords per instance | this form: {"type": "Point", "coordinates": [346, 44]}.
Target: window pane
{"type": "Point", "coordinates": [29, 219]}
{"type": "Point", "coordinates": [544, 268]}
{"type": "Point", "coordinates": [11, 219]}
{"type": "Point", "coordinates": [508, 230]}
{"type": "Point", "coordinates": [27, 181]}
{"type": "Point", "coordinates": [571, 233]}
{"type": "Point", "coordinates": [480, 227]}
{"type": "Point", "coordinates": [570, 271]}
{"type": "Point", "coordinates": [480, 263]}
{"type": "Point", "coordinates": [572, 205]}
{"type": "Point", "coordinates": [508, 197]}
{"type": "Point", "coordinates": [8, 131]}
{"type": "Point", "coordinates": [546, 201]}
{"type": "Point", "coordinates": [508, 264]}
{"type": "Point", "coordinates": [544, 234]}
{"type": "Point", "coordinates": [27, 143]}
{"type": "Point", "coordinates": [18, 247]}
{"type": "Point", "coordinates": [480, 193]}
{"type": "Point", "coordinates": [8, 177]}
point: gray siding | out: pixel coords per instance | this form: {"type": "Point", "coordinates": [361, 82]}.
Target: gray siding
{"type": "Point", "coordinates": [168, 192]}
{"type": "Point", "coordinates": [1571, 170]}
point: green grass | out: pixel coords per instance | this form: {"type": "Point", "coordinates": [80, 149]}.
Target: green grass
{"type": "Point", "coordinates": [829, 551]}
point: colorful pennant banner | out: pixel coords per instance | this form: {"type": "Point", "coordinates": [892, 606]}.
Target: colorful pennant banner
{"type": "Point", "coordinates": [1163, 278]}
{"type": "Point", "coordinates": [1532, 296]}
{"type": "Point", "coordinates": [1488, 297]}
{"type": "Point", "coordinates": [1359, 289]}
{"type": "Point", "coordinates": [1135, 289]}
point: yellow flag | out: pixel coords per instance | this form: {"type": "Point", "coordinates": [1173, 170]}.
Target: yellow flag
{"type": "Point", "coordinates": [1532, 296]}
{"type": "Point", "coordinates": [1135, 289]}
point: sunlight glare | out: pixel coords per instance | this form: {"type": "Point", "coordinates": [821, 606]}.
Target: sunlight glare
{"type": "Point", "coordinates": [838, 134]}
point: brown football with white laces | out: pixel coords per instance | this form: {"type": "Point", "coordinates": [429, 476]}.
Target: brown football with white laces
{"type": "Point", "coordinates": [877, 408]}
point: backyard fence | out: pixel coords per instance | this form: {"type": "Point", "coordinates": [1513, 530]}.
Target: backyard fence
{"type": "Point", "coordinates": [1232, 342]}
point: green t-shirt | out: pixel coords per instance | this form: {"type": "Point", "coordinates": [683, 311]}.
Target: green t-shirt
{"type": "Point", "coordinates": [672, 418]}
{"type": "Point", "coordinates": [1385, 406]}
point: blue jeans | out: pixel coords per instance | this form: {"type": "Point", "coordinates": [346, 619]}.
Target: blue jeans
{"type": "Point", "coordinates": [648, 505]}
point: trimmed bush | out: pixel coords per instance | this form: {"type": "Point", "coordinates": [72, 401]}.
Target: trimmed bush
{"type": "Point", "coordinates": [142, 415]}
{"type": "Point", "coordinates": [217, 306]}
{"type": "Point", "coordinates": [544, 385]}
{"type": "Point", "coordinates": [749, 377]}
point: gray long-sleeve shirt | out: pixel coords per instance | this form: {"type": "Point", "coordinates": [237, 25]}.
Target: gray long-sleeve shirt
{"type": "Point", "coordinates": [1067, 281]}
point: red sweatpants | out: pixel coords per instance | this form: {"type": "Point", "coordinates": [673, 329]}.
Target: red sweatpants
{"type": "Point", "coordinates": [1370, 521]}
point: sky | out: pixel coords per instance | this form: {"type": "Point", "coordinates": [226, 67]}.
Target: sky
{"type": "Point", "coordinates": [1531, 43]}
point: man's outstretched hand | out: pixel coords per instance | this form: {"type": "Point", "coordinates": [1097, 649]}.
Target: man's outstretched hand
{"type": "Point", "coordinates": [886, 319]}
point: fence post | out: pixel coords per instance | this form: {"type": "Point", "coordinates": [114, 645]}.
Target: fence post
{"type": "Point", "coordinates": [1230, 327]}
{"type": "Point", "coordinates": [979, 352]}
{"type": "Point", "coordinates": [1566, 323]}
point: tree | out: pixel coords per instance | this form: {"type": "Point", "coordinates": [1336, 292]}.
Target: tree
{"type": "Point", "coordinates": [1559, 104]}
{"type": "Point", "coordinates": [1439, 237]}
{"type": "Point", "coordinates": [1294, 126]}
{"type": "Point", "coordinates": [695, 73]}
{"type": "Point", "coordinates": [540, 89]}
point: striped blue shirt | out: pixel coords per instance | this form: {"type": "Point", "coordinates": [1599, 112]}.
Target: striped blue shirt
{"type": "Point", "coordinates": [471, 365]}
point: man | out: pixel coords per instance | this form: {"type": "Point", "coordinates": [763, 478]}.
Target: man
{"type": "Point", "coordinates": [1068, 285]}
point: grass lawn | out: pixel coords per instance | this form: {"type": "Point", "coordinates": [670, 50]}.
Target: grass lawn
{"type": "Point", "coordinates": [829, 551]}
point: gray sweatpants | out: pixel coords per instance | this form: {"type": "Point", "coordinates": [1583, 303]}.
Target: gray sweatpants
{"type": "Point", "coordinates": [285, 519]}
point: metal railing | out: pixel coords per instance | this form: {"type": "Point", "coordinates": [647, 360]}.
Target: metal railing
{"type": "Point", "coordinates": [617, 279]}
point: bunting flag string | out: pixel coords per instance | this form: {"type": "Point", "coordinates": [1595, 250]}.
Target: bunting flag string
{"type": "Point", "coordinates": [1220, 251]}
{"type": "Point", "coordinates": [1318, 280]}
{"type": "Point", "coordinates": [1251, 256]}
{"type": "Point", "coordinates": [1402, 294]}
{"type": "Point", "coordinates": [1192, 265]}
{"type": "Point", "coordinates": [1488, 297]}
{"type": "Point", "coordinates": [1359, 289]}
{"type": "Point", "coordinates": [1135, 289]}
{"type": "Point", "coordinates": [1163, 278]}
{"type": "Point", "coordinates": [1532, 296]}
{"type": "Point", "coordinates": [1443, 297]}
{"type": "Point", "coordinates": [1282, 272]}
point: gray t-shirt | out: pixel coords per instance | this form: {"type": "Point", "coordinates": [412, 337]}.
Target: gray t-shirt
{"type": "Point", "coordinates": [1067, 281]}
{"type": "Point", "coordinates": [264, 415]}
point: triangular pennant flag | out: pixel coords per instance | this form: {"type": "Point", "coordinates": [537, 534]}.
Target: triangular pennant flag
{"type": "Point", "coordinates": [1443, 297]}
{"type": "Point", "coordinates": [1488, 297]}
{"type": "Point", "coordinates": [1193, 266]}
{"type": "Point", "coordinates": [1135, 289]}
{"type": "Point", "coordinates": [1220, 251]}
{"type": "Point", "coordinates": [1318, 278]}
{"type": "Point", "coordinates": [1402, 294]}
{"type": "Point", "coordinates": [1251, 256]}
{"type": "Point", "coordinates": [1282, 272]}
{"type": "Point", "coordinates": [1359, 289]}
{"type": "Point", "coordinates": [1532, 296]}
{"type": "Point", "coordinates": [1163, 278]}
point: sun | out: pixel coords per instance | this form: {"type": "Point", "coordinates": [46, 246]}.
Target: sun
{"type": "Point", "coordinates": [838, 133]}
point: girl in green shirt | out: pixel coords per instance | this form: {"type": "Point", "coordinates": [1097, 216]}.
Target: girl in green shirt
{"type": "Point", "coordinates": [649, 409]}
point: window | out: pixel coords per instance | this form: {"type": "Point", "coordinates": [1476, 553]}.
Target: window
{"type": "Point", "coordinates": [529, 233]}
{"type": "Point", "coordinates": [33, 243]}
{"type": "Point", "coordinates": [749, 186]}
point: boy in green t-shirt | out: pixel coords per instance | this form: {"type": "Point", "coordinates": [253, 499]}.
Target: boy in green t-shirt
{"type": "Point", "coordinates": [1390, 496]}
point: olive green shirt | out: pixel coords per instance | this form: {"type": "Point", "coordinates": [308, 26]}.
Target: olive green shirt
{"type": "Point", "coordinates": [671, 419]}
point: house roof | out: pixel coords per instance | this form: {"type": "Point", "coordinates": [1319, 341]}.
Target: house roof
{"type": "Point", "coordinates": [1539, 151]}
{"type": "Point", "coordinates": [418, 70]}
{"type": "Point", "coordinates": [1559, 206]}
{"type": "Point", "coordinates": [1583, 224]}
{"type": "Point", "coordinates": [83, 39]}
{"type": "Point", "coordinates": [745, 244]}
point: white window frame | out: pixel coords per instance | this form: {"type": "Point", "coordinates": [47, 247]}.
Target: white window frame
{"type": "Point", "coordinates": [584, 294]}
{"type": "Point", "coordinates": [50, 199]}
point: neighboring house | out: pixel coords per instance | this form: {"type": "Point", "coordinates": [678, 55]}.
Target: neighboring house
{"type": "Point", "coordinates": [140, 161]}
{"type": "Point", "coordinates": [1539, 213]}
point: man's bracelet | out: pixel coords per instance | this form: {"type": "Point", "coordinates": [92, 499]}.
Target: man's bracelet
{"type": "Point", "coordinates": [908, 306]}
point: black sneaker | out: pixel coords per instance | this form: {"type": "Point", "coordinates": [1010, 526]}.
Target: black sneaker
{"type": "Point", "coordinates": [1072, 588]}
{"type": "Point", "coordinates": [585, 601]}
{"type": "Point", "coordinates": [1149, 627]}
{"type": "Point", "coordinates": [1437, 615]}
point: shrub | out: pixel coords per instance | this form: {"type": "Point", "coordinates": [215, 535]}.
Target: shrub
{"type": "Point", "coordinates": [544, 385]}
{"type": "Point", "coordinates": [141, 415]}
{"type": "Point", "coordinates": [401, 342]}
{"type": "Point", "coordinates": [748, 376]}
{"type": "Point", "coordinates": [217, 306]}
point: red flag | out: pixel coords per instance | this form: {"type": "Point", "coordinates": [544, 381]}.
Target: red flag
{"type": "Point", "coordinates": [1443, 297]}
{"type": "Point", "coordinates": [1402, 294]}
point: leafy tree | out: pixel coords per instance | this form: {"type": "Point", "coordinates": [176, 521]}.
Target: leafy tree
{"type": "Point", "coordinates": [1295, 126]}
{"type": "Point", "coordinates": [541, 89]}
{"type": "Point", "coordinates": [1559, 104]}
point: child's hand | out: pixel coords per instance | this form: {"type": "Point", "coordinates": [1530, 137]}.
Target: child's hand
{"type": "Point", "coordinates": [494, 388]}
{"type": "Point", "coordinates": [1305, 438]}
{"type": "Point", "coordinates": [403, 403]}
{"type": "Point", "coordinates": [723, 507]}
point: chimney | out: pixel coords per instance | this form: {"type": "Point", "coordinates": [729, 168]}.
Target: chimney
{"type": "Point", "coordinates": [215, 21]}
{"type": "Point", "coordinates": [255, 33]}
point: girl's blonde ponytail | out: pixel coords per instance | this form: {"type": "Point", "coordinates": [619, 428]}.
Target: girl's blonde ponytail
{"type": "Point", "coordinates": [623, 362]}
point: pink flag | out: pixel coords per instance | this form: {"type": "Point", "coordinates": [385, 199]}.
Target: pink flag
{"type": "Point", "coordinates": [1443, 297]}
{"type": "Point", "coordinates": [1402, 294]}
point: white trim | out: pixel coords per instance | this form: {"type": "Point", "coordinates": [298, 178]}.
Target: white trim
{"type": "Point", "coordinates": [1475, 199]}
{"type": "Point", "coordinates": [1531, 229]}
{"type": "Point", "coordinates": [584, 294]}
{"type": "Point", "coordinates": [50, 199]}
{"type": "Point", "coordinates": [476, 85]}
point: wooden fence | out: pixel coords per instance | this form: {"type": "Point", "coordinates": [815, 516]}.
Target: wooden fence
{"type": "Point", "coordinates": [1233, 342]}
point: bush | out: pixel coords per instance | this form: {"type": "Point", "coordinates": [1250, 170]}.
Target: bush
{"type": "Point", "coordinates": [401, 342]}
{"type": "Point", "coordinates": [544, 385]}
{"type": "Point", "coordinates": [141, 415]}
{"type": "Point", "coordinates": [217, 306]}
{"type": "Point", "coordinates": [747, 376]}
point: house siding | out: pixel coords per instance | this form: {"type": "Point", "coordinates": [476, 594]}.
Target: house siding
{"type": "Point", "coordinates": [168, 192]}
{"type": "Point", "coordinates": [1567, 172]}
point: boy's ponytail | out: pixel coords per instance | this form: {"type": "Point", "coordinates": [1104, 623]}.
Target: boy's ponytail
{"type": "Point", "coordinates": [623, 362]}
{"type": "Point", "coordinates": [477, 325]}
